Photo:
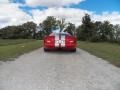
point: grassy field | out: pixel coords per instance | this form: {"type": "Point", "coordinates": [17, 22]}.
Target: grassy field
{"type": "Point", "coordinates": [5, 42]}
{"type": "Point", "coordinates": [107, 51]}
{"type": "Point", "coordinates": [10, 49]}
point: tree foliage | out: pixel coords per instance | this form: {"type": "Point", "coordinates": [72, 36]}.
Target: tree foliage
{"type": "Point", "coordinates": [49, 24]}
{"type": "Point", "coordinates": [26, 30]}
{"type": "Point", "coordinates": [94, 31]}
{"type": "Point", "coordinates": [116, 33]}
{"type": "Point", "coordinates": [61, 24]}
{"type": "Point", "coordinates": [97, 31]}
{"type": "Point", "coordinates": [86, 29]}
{"type": "Point", "coordinates": [30, 29]}
{"type": "Point", "coordinates": [70, 29]}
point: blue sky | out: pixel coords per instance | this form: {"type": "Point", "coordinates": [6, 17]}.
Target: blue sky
{"type": "Point", "coordinates": [71, 10]}
{"type": "Point", "coordinates": [97, 6]}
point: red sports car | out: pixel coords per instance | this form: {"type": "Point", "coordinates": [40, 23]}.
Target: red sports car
{"type": "Point", "coordinates": [60, 41]}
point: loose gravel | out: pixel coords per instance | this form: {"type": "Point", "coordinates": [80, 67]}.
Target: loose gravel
{"type": "Point", "coordinates": [59, 70]}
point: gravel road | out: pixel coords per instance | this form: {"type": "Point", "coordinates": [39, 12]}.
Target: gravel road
{"type": "Point", "coordinates": [41, 70]}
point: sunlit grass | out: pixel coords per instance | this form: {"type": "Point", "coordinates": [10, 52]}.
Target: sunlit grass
{"type": "Point", "coordinates": [107, 51]}
{"type": "Point", "coordinates": [15, 49]}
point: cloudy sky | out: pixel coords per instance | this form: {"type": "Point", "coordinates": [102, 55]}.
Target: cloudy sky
{"type": "Point", "coordinates": [15, 12]}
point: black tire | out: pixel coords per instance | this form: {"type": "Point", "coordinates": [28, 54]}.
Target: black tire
{"type": "Point", "coordinates": [73, 50]}
{"type": "Point", "coordinates": [46, 50]}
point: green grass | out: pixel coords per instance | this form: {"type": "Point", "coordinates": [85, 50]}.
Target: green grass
{"type": "Point", "coordinates": [10, 49]}
{"type": "Point", "coordinates": [107, 51]}
{"type": "Point", "coordinates": [5, 42]}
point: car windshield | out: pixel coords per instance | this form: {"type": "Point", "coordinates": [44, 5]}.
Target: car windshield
{"type": "Point", "coordinates": [61, 34]}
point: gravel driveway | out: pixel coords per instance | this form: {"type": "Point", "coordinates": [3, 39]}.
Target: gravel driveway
{"type": "Point", "coordinates": [41, 70]}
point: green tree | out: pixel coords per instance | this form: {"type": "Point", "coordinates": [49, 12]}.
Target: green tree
{"type": "Point", "coordinates": [30, 29]}
{"type": "Point", "coordinates": [96, 32]}
{"type": "Point", "coordinates": [40, 33]}
{"type": "Point", "coordinates": [116, 32]}
{"type": "Point", "coordinates": [79, 33]}
{"type": "Point", "coordinates": [106, 31]}
{"type": "Point", "coordinates": [49, 24]}
{"type": "Point", "coordinates": [9, 32]}
{"type": "Point", "coordinates": [70, 29]}
{"type": "Point", "coordinates": [26, 30]}
{"type": "Point", "coordinates": [61, 24]}
{"type": "Point", "coordinates": [86, 29]}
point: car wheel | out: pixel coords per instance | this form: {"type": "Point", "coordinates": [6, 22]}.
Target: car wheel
{"type": "Point", "coordinates": [46, 50]}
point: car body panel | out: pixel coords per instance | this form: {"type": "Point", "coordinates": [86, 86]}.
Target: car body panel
{"type": "Point", "coordinates": [60, 41]}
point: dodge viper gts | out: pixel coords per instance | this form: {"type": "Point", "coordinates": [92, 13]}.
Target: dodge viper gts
{"type": "Point", "coordinates": [60, 40]}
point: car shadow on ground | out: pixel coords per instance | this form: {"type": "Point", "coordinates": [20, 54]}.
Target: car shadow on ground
{"type": "Point", "coordinates": [61, 51]}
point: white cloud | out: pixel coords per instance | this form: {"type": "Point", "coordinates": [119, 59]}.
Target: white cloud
{"type": "Point", "coordinates": [52, 3]}
{"type": "Point", "coordinates": [113, 17]}
{"type": "Point", "coordinates": [4, 1]}
{"type": "Point", "coordinates": [70, 14]}
{"type": "Point", "coordinates": [10, 14]}
{"type": "Point", "coordinates": [74, 15]}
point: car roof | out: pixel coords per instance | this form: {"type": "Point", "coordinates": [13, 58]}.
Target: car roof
{"type": "Point", "coordinates": [60, 33]}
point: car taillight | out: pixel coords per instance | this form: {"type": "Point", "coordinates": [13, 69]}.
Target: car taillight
{"type": "Point", "coordinates": [71, 41]}
{"type": "Point", "coordinates": [48, 41]}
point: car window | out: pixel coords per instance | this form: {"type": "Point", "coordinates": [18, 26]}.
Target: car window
{"type": "Point", "coordinates": [61, 34]}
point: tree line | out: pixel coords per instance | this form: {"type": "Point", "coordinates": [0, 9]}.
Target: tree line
{"type": "Point", "coordinates": [94, 31]}
{"type": "Point", "coordinates": [98, 31]}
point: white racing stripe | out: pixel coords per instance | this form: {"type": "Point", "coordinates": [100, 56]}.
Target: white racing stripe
{"type": "Point", "coordinates": [59, 42]}
{"type": "Point", "coordinates": [62, 41]}
{"type": "Point", "coordinates": [56, 41]}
